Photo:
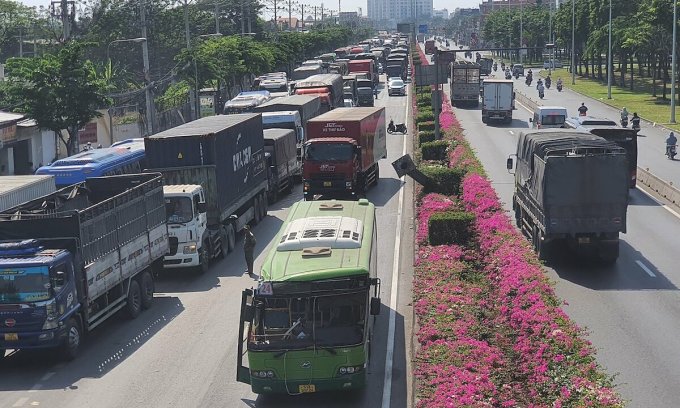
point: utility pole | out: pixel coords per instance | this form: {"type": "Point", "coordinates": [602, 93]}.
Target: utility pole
{"type": "Point", "coordinates": [217, 18]}
{"type": "Point", "coordinates": [243, 20]}
{"type": "Point", "coordinates": [521, 28]}
{"type": "Point", "coordinates": [290, 15]}
{"type": "Point", "coordinates": [315, 16]}
{"type": "Point", "coordinates": [302, 13]}
{"type": "Point", "coordinates": [573, 42]}
{"type": "Point", "coordinates": [21, 42]}
{"type": "Point", "coordinates": [66, 21]}
{"type": "Point", "coordinates": [150, 125]}
{"type": "Point", "coordinates": [322, 14]}
{"type": "Point", "coordinates": [609, 55]}
{"type": "Point", "coordinates": [673, 60]}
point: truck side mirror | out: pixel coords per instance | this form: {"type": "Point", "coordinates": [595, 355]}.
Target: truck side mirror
{"type": "Point", "coordinates": [531, 120]}
{"type": "Point", "coordinates": [202, 207]}
{"type": "Point", "coordinates": [59, 279]}
{"type": "Point", "coordinates": [375, 306]}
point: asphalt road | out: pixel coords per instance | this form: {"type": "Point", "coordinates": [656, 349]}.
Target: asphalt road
{"type": "Point", "coordinates": [182, 352]}
{"type": "Point", "coordinates": [630, 309]}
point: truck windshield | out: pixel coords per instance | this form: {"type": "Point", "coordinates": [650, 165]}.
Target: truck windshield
{"type": "Point", "coordinates": [178, 210]}
{"type": "Point", "coordinates": [328, 152]}
{"type": "Point", "coordinates": [321, 321]}
{"type": "Point", "coordinates": [24, 284]}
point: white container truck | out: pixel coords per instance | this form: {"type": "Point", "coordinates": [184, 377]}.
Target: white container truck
{"type": "Point", "coordinates": [498, 100]}
{"type": "Point", "coordinates": [15, 190]}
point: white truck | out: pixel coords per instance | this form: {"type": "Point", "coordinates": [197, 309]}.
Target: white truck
{"type": "Point", "coordinates": [498, 100]}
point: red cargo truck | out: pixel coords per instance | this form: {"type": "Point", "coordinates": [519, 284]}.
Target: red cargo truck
{"type": "Point", "coordinates": [342, 152]}
{"type": "Point", "coordinates": [364, 66]}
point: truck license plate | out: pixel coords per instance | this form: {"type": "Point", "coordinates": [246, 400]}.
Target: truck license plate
{"type": "Point", "coordinates": [584, 240]}
{"type": "Point", "coordinates": [327, 183]}
{"type": "Point", "coordinates": [307, 388]}
{"type": "Point", "coordinates": [11, 337]}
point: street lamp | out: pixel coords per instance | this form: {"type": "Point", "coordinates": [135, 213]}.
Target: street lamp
{"type": "Point", "coordinates": [609, 55]}
{"type": "Point", "coordinates": [673, 60]}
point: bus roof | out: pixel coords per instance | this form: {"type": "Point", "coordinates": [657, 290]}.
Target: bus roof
{"type": "Point", "coordinates": [322, 240]}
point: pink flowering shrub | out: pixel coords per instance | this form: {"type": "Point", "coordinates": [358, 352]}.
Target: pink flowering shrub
{"type": "Point", "coordinates": [491, 332]}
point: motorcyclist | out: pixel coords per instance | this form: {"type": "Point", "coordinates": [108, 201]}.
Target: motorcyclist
{"type": "Point", "coordinates": [671, 140]}
{"type": "Point", "coordinates": [559, 82]}
{"type": "Point", "coordinates": [547, 81]}
{"type": "Point", "coordinates": [583, 109]}
{"type": "Point", "coordinates": [390, 126]}
{"type": "Point", "coordinates": [541, 89]}
{"type": "Point", "coordinates": [624, 117]}
{"type": "Point", "coordinates": [635, 120]}
{"type": "Point", "coordinates": [539, 83]}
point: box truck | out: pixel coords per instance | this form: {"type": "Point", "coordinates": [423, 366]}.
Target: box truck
{"type": "Point", "coordinates": [498, 100]}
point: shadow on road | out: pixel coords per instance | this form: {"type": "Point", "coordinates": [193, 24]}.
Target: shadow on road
{"type": "Point", "coordinates": [638, 198]}
{"type": "Point", "coordinates": [626, 274]}
{"type": "Point", "coordinates": [22, 369]}
{"type": "Point", "coordinates": [382, 193]}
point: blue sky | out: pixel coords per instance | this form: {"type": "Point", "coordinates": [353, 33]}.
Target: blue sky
{"type": "Point", "coordinates": [347, 5]}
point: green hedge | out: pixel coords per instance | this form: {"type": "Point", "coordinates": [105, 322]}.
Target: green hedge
{"type": "Point", "coordinates": [425, 136]}
{"type": "Point", "coordinates": [448, 179]}
{"type": "Point", "coordinates": [424, 115]}
{"type": "Point", "coordinates": [424, 97]}
{"type": "Point", "coordinates": [435, 150]}
{"type": "Point", "coordinates": [426, 126]}
{"type": "Point", "coordinates": [450, 227]}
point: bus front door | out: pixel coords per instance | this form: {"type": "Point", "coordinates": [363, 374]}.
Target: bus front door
{"type": "Point", "coordinates": [247, 311]}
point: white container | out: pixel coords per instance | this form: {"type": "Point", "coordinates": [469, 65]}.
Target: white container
{"type": "Point", "coordinates": [15, 190]}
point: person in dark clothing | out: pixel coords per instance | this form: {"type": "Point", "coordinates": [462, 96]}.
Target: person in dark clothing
{"type": "Point", "coordinates": [582, 110]}
{"type": "Point", "coordinates": [249, 242]}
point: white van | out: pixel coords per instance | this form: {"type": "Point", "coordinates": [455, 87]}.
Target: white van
{"type": "Point", "coordinates": [548, 117]}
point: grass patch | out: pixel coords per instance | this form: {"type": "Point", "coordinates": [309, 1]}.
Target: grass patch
{"type": "Point", "coordinates": [651, 108]}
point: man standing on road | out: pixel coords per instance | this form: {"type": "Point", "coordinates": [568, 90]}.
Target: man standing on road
{"type": "Point", "coordinates": [249, 242]}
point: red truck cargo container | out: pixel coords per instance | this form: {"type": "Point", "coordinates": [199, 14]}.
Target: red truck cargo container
{"type": "Point", "coordinates": [430, 47]}
{"type": "Point", "coordinates": [364, 66]}
{"type": "Point", "coordinates": [342, 152]}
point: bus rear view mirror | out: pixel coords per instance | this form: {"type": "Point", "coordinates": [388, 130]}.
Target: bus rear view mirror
{"type": "Point", "coordinates": [375, 306]}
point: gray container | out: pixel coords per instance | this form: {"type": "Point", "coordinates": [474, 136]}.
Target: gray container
{"type": "Point", "coordinates": [15, 190]}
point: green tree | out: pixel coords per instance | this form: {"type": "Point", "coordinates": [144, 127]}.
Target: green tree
{"type": "Point", "coordinates": [59, 91]}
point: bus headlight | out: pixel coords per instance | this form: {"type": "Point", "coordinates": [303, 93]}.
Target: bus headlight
{"type": "Point", "coordinates": [350, 369]}
{"type": "Point", "coordinates": [190, 248]}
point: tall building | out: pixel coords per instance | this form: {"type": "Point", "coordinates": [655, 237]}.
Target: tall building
{"type": "Point", "coordinates": [391, 12]}
{"type": "Point", "coordinates": [443, 13]}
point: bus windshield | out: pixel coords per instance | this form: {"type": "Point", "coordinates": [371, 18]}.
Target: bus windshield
{"type": "Point", "coordinates": [317, 321]}
{"type": "Point", "coordinates": [24, 284]}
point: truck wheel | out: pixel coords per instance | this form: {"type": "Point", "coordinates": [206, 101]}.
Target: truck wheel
{"type": "Point", "coordinates": [204, 258]}
{"type": "Point", "coordinates": [289, 188]}
{"type": "Point", "coordinates": [484, 120]}
{"type": "Point", "coordinates": [608, 253]}
{"type": "Point", "coordinates": [134, 300]}
{"type": "Point", "coordinates": [540, 245]}
{"type": "Point", "coordinates": [263, 208]}
{"type": "Point", "coordinates": [224, 245]}
{"type": "Point", "coordinates": [72, 342]}
{"type": "Point", "coordinates": [147, 287]}
{"type": "Point", "coordinates": [231, 238]}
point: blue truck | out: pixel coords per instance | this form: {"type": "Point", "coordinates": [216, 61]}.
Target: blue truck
{"type": "Point", "coordinates": [74, 258]}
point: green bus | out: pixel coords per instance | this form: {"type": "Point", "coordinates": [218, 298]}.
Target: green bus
{"type": "Point", "coordinates": [308, 325]}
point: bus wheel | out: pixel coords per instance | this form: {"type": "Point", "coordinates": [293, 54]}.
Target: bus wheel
{"type": "Point", "coordinates": [73, 335]}
{"type": "Point", "coordinates": [134, 300]}
{"type": "Point", "coordinates": [147, 287]}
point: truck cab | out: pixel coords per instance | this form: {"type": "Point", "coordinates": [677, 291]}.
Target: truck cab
{"type": "Point", "coordinates": [37, 295]}
{"type": "Point", "coordinates": [331, 165]}
{"type": "Point", "coordinates": [187, 225]}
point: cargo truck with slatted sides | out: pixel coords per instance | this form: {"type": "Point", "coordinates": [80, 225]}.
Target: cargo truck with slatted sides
{"type": "Point", "coordinates": [72, 259]}
{"type": "Point", "coordinates": [571, 189]}
{"type": "Point", "coordinates": [308, 325]}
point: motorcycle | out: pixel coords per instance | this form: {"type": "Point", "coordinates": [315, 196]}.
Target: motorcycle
{"type": "Point", "coordinates": [636, 125]}
{"type": "Point", "coordinates": [541, 94]}
{"type": "Point", "coordinates": [671, 151]}
{"type": "Point", "coordinates": [624, 122]}
{"type": "Point", "coordinates": [547, 83]}
{"type": "Point", "coordinates": [495, 67]}
{"type": "Point", "coordinates": [559, 87]}
{"type": "Point", "coordinates": [508, 75]}
{"type": "Point", "coordinates": [528, 81]}
{"type": "Point", "coordinates": [398, 128]}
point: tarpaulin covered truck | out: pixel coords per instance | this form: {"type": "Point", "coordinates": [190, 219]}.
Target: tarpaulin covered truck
{"type": "Point", "coordinates": [328, 87]}
{"type": "Point", "coordinates": [74, 258]}
{"type": "Point", "coordinates": [215, 183]}
{"type": "Point", "coordinates": [571, 186]}
{"type": "Point", "coordinates": [342, 152]}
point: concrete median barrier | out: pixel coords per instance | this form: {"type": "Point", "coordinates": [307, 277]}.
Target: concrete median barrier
{"type": "Point", "coordinates": [661, 187]}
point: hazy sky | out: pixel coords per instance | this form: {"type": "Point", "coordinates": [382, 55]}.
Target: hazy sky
{"type": "Point", "coordinates": [347, 5]}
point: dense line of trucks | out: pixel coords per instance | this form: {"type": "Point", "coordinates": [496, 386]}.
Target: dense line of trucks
{"type": "Point", "coordinates": [72, 257]}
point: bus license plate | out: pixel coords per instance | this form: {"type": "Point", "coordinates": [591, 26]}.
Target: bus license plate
{"type": "Point", "coordinates": [307, 388]}
{"type": "Point", "coordinates": [327, 183]}
{"type": "Point", "coordinates": [11, 337]}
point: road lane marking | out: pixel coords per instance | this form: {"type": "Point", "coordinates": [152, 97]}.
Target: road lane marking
{"type": "Point", "coordinates": [35, 388]}
{"type": "Point", "coordinates": [20, 402]}
{"type": "Point", "coordinates": [389, 357]}
{"type": "Point", "coordinates": [645, 268]}
{"type": "Point", "coordinates": [47, 376]}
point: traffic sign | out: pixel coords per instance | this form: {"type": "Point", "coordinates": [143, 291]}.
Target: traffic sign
{"type": "Point", "coordinates": [422, 29]}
